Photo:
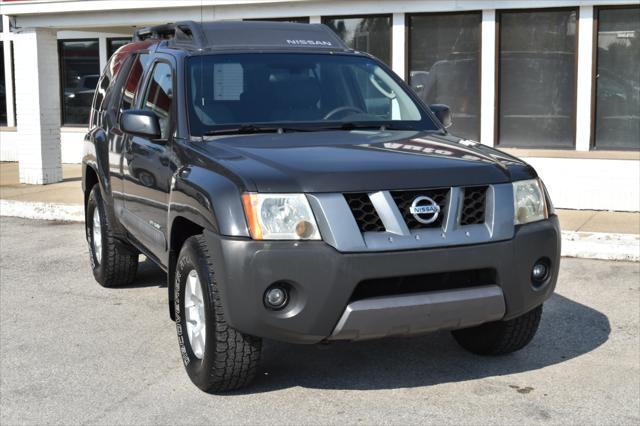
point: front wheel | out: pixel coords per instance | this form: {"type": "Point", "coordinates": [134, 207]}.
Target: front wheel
{"type": "Point", "coordinates": [500, 337]}
{"type": "Point", "coordinates": [217, 357]}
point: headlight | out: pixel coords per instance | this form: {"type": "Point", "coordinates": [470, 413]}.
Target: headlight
{"type": "Point", "coordinates": [529, 201]}
{"type": "Point", "coordinates": [280, 217]}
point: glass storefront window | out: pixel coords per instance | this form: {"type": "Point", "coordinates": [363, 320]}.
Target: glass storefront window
{"type": "Point", "coordinates": [80, 71]}
{"type": "Point", "coordinates": [617, 117]}
{"type": "Point", "coordinates": [444, 65]}
{"type": "Point", "coordinates": [537, 79]}
{"type": "Point", "coordinates": [114, 44]}
{"type": "Point", "coordinates": [371, 34]}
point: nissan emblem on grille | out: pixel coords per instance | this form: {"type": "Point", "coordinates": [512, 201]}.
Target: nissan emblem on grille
{"type": "Point", "coordinates": [424, 209]}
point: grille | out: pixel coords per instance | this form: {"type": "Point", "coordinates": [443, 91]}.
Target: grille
{"type": "Point", "coordinates": [392, 286]}
{"type": "Point", "coordinates": [473, 206]}
{"type": "Point", "coordinates": [363, 211]}
{"type": "Point", "coordinates": [404, 199]}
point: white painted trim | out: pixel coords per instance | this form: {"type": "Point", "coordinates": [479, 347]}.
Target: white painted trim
{"type": "Point", "coordinates": [398, 44]}
{"type": "Point", "coordinates": [66, 6]}
{"type": "Point", "coordinates": [585, 75]}
{"type": "Point", "coordinates": [315, 19]}
{"type": "Point", "coordinates": [488, 78]}
{"type": "Point", "coordinates": [102, 52]}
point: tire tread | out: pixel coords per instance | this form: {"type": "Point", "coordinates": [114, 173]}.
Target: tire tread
{"type": "Point", "coordinates": [237, 354]}
{"type": "Point", "coordinates": [119, 264]}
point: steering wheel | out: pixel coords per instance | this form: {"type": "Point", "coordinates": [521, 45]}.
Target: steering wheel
{"type": "Point", "coordinates": [342, 109]}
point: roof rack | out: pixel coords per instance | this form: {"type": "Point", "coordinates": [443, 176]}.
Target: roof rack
{"type": "Point", "coordinates": [246, 35]}
{"type": "Point", "coordinates": [187, 33]}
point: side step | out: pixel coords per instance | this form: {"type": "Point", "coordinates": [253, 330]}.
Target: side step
{"type": "Point", "coordinates": [420, 313]}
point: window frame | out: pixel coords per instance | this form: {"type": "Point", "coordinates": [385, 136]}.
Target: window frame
{"type": "Point", "coordinates": [407, 53]}
{"type": "Point", "coordinates": [110, 39]}
{"type": "Point", "coordinates": [594, 80]}
{"type": "Point", "coordinates": [323, 20]}
{"type": "Point", "coordinates": [142, 94]}
{"type": "Point", "coordinates": [61, 79]}
{"type": "Point", "coordinates": [498, 72]}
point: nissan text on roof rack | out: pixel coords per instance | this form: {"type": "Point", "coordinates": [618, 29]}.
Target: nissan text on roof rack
{"type": "Point", "coordinates": [297, 190]}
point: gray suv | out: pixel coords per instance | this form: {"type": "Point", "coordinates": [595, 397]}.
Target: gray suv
{"type": "Point", "coordinates": [295, 189]}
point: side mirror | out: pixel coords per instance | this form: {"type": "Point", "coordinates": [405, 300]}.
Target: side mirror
{"type": "Point", "coordinates": [443, 113]}
{"type": "Point", "coordinates": [140, 123]}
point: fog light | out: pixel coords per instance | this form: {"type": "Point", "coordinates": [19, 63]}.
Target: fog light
{"type": "Point", "coordinates": [276, 297]}
{"type": "Point", "coordinates": [539, 272]}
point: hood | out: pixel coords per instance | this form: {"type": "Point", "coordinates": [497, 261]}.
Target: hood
{"type": "Point", "coordinates": [346, 161]}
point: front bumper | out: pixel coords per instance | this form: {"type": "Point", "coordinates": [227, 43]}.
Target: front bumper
{"type": "Point", "coordinates": [322, 281]}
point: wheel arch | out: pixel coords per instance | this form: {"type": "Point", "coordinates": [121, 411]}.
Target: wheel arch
{"type": "Point", "coordinates": [181, 229]}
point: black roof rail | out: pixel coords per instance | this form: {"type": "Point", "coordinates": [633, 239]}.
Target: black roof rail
{"type": "Point", "coordinates": [186, 33]}
{"type": "Point", "coordinates": [223, 35]}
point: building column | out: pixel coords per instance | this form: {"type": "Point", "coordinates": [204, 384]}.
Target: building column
{"type": "Point", "coordinates": [585, 78]}
{"type": "Point", "coordinates": [38, 105]}
{"type": "Point", "coordinates": [398, 45]}
{"type": "Point", "coordinates": [488, 71]}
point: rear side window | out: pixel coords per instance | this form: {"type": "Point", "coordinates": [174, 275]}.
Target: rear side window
{"type": "Point", "coordinates": [132, 84]}
{"type": "Point", "coordinates": [159, 95]}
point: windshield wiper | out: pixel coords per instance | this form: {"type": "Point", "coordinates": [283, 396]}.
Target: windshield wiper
{"type": "Point", "coordinates": [252, 128]}
{"type": "Point", "coordinates": [350, 125]}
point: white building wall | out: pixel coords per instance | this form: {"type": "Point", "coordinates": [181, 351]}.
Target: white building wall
{"type": "Point", "coordinates": [592, 184]}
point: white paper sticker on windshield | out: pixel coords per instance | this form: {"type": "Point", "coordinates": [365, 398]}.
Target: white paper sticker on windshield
{"type": "Point", "coordinates": [228, 82]}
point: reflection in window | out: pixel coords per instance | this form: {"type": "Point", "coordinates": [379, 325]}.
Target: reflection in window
{"type": "Point", "coordinates": [159, 96]}
{"type": "Point", "coordinates": [132, 84]}
{"type": "Point", "coordinates": [537, 79]}
{"type": "Point", "coordinates": [617, 121]}
{"type": "Point", "coordinates": [444, 66]}
{"type": "Point", "coordinates": [114, 44]}
{"type": "Point", "coordinates": [80, 66]}
{"type": "Point", "coordinates": [367, 34]}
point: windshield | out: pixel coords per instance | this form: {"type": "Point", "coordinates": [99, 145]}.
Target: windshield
{"type": "Point", "coordinates": [298, 91]}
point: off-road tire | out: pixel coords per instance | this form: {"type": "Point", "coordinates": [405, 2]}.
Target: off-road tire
{"type": "Point", "coordinates": [500, 337]}
{"type": "Point", "coordinates": [118, 264]}
{"type": "Point", "coordinates": [230, 357]}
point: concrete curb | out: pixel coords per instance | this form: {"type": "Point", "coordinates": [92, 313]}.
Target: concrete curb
{"type": "Point", "coordinates": [42, 210]}
{"type": "Point", "coordinates": [601, 245]}
{"type": "Point", "coordinates": [587, 245]}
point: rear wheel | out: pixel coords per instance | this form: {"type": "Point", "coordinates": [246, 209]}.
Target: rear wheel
{"type": "Point", "coordinates": [500, 337]}
{"type": "Point", "coordinates": [217, 357]}
{"type": "Point", "coordinates": [112, 263]}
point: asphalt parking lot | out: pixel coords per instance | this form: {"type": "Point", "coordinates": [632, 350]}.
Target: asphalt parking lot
{"type": "Point", "coordinates": [72, 352]}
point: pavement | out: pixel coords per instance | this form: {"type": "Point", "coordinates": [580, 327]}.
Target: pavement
{"type": "Point", "coordinates": [586, 233]}
{"type": "Point", "coordinates": [73, 352]}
